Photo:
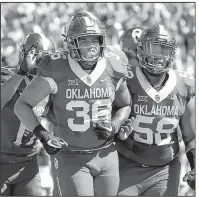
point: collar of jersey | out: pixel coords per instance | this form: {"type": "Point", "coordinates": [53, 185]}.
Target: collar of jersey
{"type": "Point", "coordinates": [152, 92]}
{"type": "Point", "coordinates": [83, 76]}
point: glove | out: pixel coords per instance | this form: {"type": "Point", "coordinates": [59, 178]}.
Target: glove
{"type": "Point", "coordinates": [26, 61]}
{"type": "Point", "coordinates": [104, 130]}
{"type": "Point", "coordinates": [126, 129]}
{"type": "Point", "coordinates": [190, 178]}
{"type": "Point", "coordinates": [51, 143]}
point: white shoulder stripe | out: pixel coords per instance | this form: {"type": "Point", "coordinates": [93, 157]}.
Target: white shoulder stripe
{"type": "Point", "coordinates": [52, 84]}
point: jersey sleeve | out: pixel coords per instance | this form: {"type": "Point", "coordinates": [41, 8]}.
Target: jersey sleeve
{"type": "Point", "coordinates": [44, 70]}
{"type": "Point", "coordinates": [189, 83]}
{"type": "Point", "coordinates": [118, 61]}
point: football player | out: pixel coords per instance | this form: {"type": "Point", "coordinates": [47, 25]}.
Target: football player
{"type": "Point", "coordinates": [19, 169]}
{"type": "Point", "coordinates": [83, 83]}
{"type": "Point", "coordinates": [162, 100]}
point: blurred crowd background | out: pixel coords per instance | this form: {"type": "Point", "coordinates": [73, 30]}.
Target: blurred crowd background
{"type": "Point", "coordinates": [20, 19]}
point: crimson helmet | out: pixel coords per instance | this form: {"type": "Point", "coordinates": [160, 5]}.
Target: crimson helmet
{"type": "Point", "coordinates": [156, 49]}
{"type": "Point", "coordinates": [129, 39]}
{"type": "Point", "coordinates": [84, 24]}
{"type": "Point", "coordinates": [37, 41]}
{"type": "Point", "coordinates": [37, 44]}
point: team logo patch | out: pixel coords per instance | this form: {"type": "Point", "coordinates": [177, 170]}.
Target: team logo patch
{"type": "Point", "coordinates": [157, 98]}
{"type": "Point", "coordinates": [142, 98]}
{"type": "Point", "coordinates": [73, 82]}
{"type": "Point", "coordinates": [88, 80]}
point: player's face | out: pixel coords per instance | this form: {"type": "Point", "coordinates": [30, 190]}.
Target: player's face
{"type": "Point", "coordinates": [157, 54]}
{"type": "Point", "coordinates": [89, 47]}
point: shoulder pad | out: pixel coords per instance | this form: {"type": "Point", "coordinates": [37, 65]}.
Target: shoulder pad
{"type": "Point", "coordinates": [187, 78]}
{"type": "Point", "coordinates": [189, 82]}
{"type": "Point", "coordinates": [117, 59]}
{"type": "Point", "coordinates": [48, 63]}
{"type": "Point", "coordinates": [43, 64]}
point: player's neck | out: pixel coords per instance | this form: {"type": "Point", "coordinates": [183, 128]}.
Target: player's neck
{"type": "Point", "coordinates": [87, 67]}
{"type": "Point", "coordinates": [157, 81]}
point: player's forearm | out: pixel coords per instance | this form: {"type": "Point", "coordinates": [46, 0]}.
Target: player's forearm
{"type": "Point", "coordinates": [191, 158]}
{"type": "Point", "coordinates": [26, 115]}
{"type": "Point", "coordinates": [51, 118]}
{"type": "Point", "coordinates": [50, 127]}
{"type": "Point", "coordinates": [9, 88]}
{"type": "Point", "coordinates": [190, 145]}
{"type": "Point", "coordinates": [120, 116]}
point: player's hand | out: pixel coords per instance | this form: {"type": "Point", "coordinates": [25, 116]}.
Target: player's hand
{"type": "Point", "coordinates": [190, 179]}
{"type": "Point", "coordinates": [126, 129]}
{"type": "Point", "coordinates": [104, 130]}
{"type": "Point", "coordinates": [26, 61]}
{"type": "Point", "coordinates": [51, 143]}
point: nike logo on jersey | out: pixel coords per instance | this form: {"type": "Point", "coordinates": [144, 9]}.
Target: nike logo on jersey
{"type": "Point", "coordinates": [104, 79]}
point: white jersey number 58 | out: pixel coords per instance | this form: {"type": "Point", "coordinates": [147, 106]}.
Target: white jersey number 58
{"type": "Point", "coordinates": [143, 125]}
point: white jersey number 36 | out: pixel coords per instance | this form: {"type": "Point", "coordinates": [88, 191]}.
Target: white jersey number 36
{"type": "Point", "coordinates": [101, 109]}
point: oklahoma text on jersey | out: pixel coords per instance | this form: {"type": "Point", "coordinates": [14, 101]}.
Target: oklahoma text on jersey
{"type": "Point", "coordinates": [162, 110]}
{"type": "Point", "coordinates": [94, 93]}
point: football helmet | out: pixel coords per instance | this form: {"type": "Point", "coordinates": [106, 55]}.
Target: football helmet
{"type": "Point", "coordinates": [129, 39]}
{"type": "Point", "coordinates": [156, 49]}
{"type": "Point", "coordinates": [84, 24]}
{"type": "Point", "coordinates": [35, 44]}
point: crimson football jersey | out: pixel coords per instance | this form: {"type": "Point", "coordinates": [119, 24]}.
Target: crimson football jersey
{"type": "Point", "coordinates": [81, 99]}
{"type": "Point", "coordinates": [17, 143]}
{"type": "Point", "coordinates": [155, 138]}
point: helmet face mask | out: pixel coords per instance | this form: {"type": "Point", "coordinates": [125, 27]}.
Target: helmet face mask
{"type": "Point", "coordinates": [83, 25]}
{"type": "Point", "coordinates": [89, 48]}
{"type": "Point", "coordinates": [156, 51]}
